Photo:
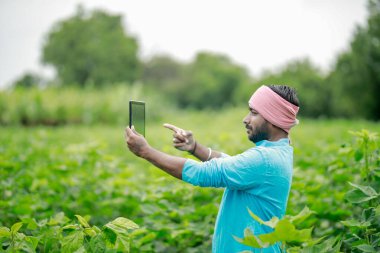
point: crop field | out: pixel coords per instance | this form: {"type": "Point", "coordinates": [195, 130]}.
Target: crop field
{"type": "Point", "coordinates": [77, 188]}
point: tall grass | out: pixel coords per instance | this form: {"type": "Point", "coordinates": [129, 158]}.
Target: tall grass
{"type": "Point", "coordinates": [68, 105]}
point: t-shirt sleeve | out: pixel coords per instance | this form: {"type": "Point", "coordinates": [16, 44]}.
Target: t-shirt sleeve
{"type": "Point", "coordinates": [224, 155]}
{"type": "Point", "coordinates": [243, 171]}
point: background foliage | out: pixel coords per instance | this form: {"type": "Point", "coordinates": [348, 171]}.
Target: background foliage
{"type": "Point", "coordinates": [46, 171]}
{"type": "Point", "coordinates": [92, 48]}
{"type": "Point", "coordinates": [68, 183]}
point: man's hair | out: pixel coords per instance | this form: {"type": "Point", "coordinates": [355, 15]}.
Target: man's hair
{"type": "Point", "coordinates": [286, 92]}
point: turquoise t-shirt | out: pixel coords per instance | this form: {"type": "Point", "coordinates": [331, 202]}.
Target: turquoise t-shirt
{"type": "Point", "coordinates": [258, 179]}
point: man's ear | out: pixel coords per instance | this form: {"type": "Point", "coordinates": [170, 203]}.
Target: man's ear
{"type": "Point", "coordinates": [275, 129]}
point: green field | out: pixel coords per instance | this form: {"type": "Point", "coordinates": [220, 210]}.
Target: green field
{"type": "Point", "coordinates": [51, 174]}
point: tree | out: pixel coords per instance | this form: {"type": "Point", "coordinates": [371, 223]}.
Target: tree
{"type": "Point", "coordinates": [92, 48]}
{"type": "Point", "coordinates": [28, 80]}
{"type": "Point", "coordinates": [211, 80]}
{"type": "Point", "coordinates": [356, 75]}
{"type": "Point", "coordinates": [162, 71]}
{"type": "Point", "coordinates": [307, 79]}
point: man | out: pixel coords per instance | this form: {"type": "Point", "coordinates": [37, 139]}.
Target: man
{"type": "Point", "coordinates": [258, 179]}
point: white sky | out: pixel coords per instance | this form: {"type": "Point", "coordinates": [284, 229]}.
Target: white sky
{"type": "Point", "coordinates": [258, 34]}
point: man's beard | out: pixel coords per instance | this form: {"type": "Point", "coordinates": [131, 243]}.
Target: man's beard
{"type": "Point", "coordinates": [260, 133]}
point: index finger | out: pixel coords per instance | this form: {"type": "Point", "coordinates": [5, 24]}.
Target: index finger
{"type": "Point", "coordinates": [173, 127]}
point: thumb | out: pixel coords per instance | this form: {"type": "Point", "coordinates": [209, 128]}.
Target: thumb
{"type": "Point", "coordinates": [128, 132]}
{"type": "Point", "coordinates": [134, 130]}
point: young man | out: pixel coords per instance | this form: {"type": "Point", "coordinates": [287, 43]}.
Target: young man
{"type": "Point", "coordinates": [258, 179]}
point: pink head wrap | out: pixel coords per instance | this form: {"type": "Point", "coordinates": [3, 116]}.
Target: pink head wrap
{"type": "Point", "coordinates": [274, 108]}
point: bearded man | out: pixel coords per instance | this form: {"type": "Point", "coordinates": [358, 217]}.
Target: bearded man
{"type": "Point", "coordinates": [259, 178]}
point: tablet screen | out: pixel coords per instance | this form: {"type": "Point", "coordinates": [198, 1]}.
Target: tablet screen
{"type": "Point", "coordinates": [137, 116]}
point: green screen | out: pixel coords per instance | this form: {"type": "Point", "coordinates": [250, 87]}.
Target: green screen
{"type": "Point", "coordinates": [137, 116]}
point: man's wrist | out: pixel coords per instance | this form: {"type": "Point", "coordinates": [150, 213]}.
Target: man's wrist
{"type": "Point", "coordinates": [193, 150]}
{"type": "Point", "coordinates": [146, 152]}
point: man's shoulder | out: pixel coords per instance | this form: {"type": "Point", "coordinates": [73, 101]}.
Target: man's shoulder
{"type": "Point", "coordinates": [269, 152]}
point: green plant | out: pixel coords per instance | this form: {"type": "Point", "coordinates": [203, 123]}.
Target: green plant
{"type": "Point", "coordinates": [363, 227]}
{"type": "Point", "coordinates": [284, 231]}
{"type": "Point", "coordinates": [55, 236]}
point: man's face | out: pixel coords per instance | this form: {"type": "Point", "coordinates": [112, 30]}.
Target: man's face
{"type": "Point", "coordinates": [256, 125]}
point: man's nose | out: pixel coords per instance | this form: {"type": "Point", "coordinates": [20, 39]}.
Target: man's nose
{"type": "Point", "coordinates": [245, 120]}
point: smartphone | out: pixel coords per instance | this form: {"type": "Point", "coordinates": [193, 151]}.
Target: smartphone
{"type": "Point", "coordinates": [137, 116]}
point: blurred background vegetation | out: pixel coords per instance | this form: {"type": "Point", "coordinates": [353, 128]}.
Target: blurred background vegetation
{"type": "Point", "coordinates": [98, 69]}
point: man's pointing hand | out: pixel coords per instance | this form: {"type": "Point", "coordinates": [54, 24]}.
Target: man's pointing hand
{"type": "Point", "coordinates": [182, 139]}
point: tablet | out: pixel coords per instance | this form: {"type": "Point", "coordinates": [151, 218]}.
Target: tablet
{"type": "Point", "coordinates": [137, 116]}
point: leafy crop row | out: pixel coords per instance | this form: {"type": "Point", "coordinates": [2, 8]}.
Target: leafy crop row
{"type": "Point", "coordinates": [54, 235]}
{"type": "Point", "coordinates": [87, 170]}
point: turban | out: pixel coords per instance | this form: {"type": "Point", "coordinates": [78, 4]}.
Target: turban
{"type": "Point", "coordinates": [275, 109]}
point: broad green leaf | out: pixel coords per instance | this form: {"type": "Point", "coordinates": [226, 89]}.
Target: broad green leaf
{"type": "Point", "coordinates": [97, 244]}
{"type": "Point", "coordinates": [286, 231]}
{"type": "Point", "coordinates": [337, 246]}
{"type": "Point", "coordinates": [19, 237]}
{"type": "Point", "coordinates": [5, 232]}
{"type": "Point", "coordinates": [124, 223]}
{"type": "Point", "coordinates": [110, 235]}
{"type": "Point", "coordinates": [355, 223]}
{"type": "Point", "coordinates": [82, 221]}
{"type": "Point", "coordinates": [303, 215]}
{"type": "Point", "coordinates": [71, 226]}
{"type": "Point", "coordinates": [358, 155]}
{"type": "Point", "coordinates": [59, 218]}
{"type": "Point", "coordinates": [252, 241]}
{"type": "Point", "coordinates": [80, 250]}
{"type": "Point", "coordinates": [15, 227]}
{"type": "Point", "coordinates": [27, 243]}
{"type": "Point", "coordinates": [147, 238]}
{"type": "Point", "coordinates": [326, 246]}
{"type": "Point", "coordinates": [34, 240]}
{"type": "Point", "coordinates": [314, 242]}
{"type": "Point", "coordinates": [26, 246]}
{"type": "Point", "coordinates": [31, 223]}
{"type": "Point", "coordinates": [293, 250]}
{"type": "Point", "coordinates": [367, 190]}
{"type": "Point", "coordinates": [42, 223]}
{"type": "Point", "coordinates": [271, 223]}
{"type": "Point", "coordinates": [90, 231]}
{"type": "Point", "coordinates": [96, 229]}
{"type": "Point", "coordinates": [72, 242]}
{"type": "Point", "coordinates": [270, 238]}
{"type": "Point", "coordinates": [356, 196]}
{"type": "Point", "coordinates": [123, 242]}
{"type": "Point", "coordinates": [138, 232]}
{"type": "Point", "coordinates": [366, 248]}
{"type": "Point", "coordinates": [377, 210]}
{"type": "Point", "coordinates": [121, 225]}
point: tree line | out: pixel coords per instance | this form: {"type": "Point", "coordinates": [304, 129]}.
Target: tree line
{"type": "Point", "coordinates": [92, 48]}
